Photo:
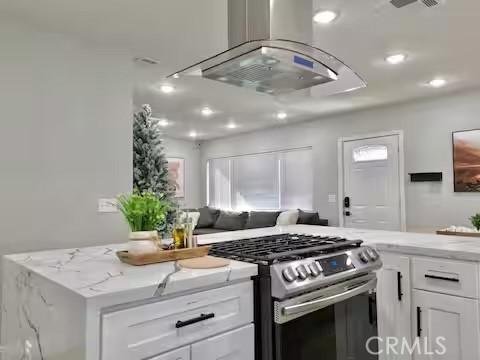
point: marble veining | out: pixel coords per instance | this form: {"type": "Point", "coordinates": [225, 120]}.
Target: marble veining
{"type": "Point", "coordinates": [96, 271]}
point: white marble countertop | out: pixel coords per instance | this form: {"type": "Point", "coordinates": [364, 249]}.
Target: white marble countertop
{"type": "Point", "coordinates": [94, 272]}
{"type": "Point", "coordinates": [452, 247]}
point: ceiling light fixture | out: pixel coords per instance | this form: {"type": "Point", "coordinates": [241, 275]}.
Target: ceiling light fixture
{"type": "Point", "coordinates": [167, 89]}
{"type": "Point", "coordinates": [192, 134]}
{"type": "Point", "coordinates": [231, 125]}
{"type": "Point", "coordinates": [281, 115]}
{"type": "Point", "coordinates": [325, 17]}
{"type": "Point", "coordinates": [206, 111]}
{"type": "Point", "coordinates": [175, 76]}
{"type": "Point", "coordinates": [396, 59]}
{"type": "Point", "coordinates": [163, 122]}
{"type": "Point", "coordinates": [437, 83]}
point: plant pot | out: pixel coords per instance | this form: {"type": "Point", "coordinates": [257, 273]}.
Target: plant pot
{"type": "Point", "coordinates": [143, 242]}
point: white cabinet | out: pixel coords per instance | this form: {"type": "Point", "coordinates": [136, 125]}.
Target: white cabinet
{"type": "Point", "coordinates": [140, 332]}
{"type": "Point", "coordinates": [179, 354]}
{"type": "Point", "coordinates": [394, 302]}
{"type": "Point", "coordinates": [447, 320]}
{"type": "Point", "coordinates": [234, 345]}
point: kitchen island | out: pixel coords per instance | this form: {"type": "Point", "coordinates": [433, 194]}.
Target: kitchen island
{"type": "Point", "coordinates": [83, 304]}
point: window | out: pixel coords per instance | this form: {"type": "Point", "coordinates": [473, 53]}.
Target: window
{"type": "Point", "coordinates": [269, 181]}
{"type": "Point", "coordinates": [370, 153]}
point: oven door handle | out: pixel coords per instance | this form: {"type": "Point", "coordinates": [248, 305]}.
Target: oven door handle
{"type": "Point", "coordinates": [327, 301]}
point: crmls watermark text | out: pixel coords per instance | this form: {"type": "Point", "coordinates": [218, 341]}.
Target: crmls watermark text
{"type": "Point", "coordinates": [402, 346]}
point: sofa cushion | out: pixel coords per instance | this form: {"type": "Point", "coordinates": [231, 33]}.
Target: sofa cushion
{"type": "Point", "coordinates": [208, 217]}
{"type": "Point", "coordinates": [310, 218]}
{"type": "Point", "coordinates": [206, 231]}
{"type": "Point", "coordinates": [259, 219]}
{"type": "Point", "coordinates": [229, 220]}
{"type": "Point", "coordinates": [288, 217]}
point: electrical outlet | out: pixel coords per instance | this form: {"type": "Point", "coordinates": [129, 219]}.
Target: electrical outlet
{"type": "Point", "coordinates": [332, 198]}
{"type": "Point", "coordinates": [107, 205]}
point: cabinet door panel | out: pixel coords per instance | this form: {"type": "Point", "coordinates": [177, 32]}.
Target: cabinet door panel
{"type": "Point", "coordinates": [234, 345]}
{"type": "Point", "coordinates": [394, 303]}
{"type": "Point", "coordinates": [179, 354]}
{"type": "Point", "coordinates": [449, 319]}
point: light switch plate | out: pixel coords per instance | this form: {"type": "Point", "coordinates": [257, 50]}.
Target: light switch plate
{"type": "Point", "coordinates": [332, 198]}
{"type": "Point", "coordinates": [107, 205]}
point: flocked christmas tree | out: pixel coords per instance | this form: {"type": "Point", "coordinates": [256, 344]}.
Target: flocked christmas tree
{"type": "Point", "coordinates": [150, 166]}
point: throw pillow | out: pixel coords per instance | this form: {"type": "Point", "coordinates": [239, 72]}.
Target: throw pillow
{"type": "Point", "coordinates": [259, 219]}
{"type": "Point", "coordinates": [208, 217]}
{"type": "Point", "coordinates": [288, 217]}
{"type": "Point", "coordinates": [229, 220]}
{"type": "Point", "coordinates": [310, 218]}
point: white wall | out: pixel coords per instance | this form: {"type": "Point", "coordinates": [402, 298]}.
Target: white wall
{"type": "Point", "coordinates": [190, 151]}
{"type": "Point", "coordinates": [427, 126]}
{"type": "Point", "coordinates": [65, 140]}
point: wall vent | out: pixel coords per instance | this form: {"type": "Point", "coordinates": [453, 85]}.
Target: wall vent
{"type": "Point", "coordinates": [146, 60]}
{"type": "Point", "coordinates": [402, 3]}
{"type": "Point", "coordinates": [430, 3]}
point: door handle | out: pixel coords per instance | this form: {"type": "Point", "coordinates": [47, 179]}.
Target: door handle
{"type": "Point", "coordinates": [346, 202]}
{"type": "Point", "coordinates": [399, 286]}
{"type": "Point", "coordinates": [348, 213]}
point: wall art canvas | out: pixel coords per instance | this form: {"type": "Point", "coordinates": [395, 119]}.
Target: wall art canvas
{"type": "Point", "coordinates": [176, 171]}
{"type": "Point", "coordinates": [466, 160]}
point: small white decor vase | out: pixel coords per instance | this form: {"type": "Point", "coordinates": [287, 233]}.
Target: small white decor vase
{"type": "Point", "coordinates": [143, 242]}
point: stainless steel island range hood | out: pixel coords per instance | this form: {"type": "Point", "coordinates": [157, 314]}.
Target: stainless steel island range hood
{"type": "Point", "coordinates": [269, 51]}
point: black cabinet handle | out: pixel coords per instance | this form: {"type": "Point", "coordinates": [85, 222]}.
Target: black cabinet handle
{"type": "Point", "coordinates": [419, 325]}
{"type": "Point", "coordinates": [202, 317]}
{"type": "Point", "coordinates": [399, 286]}
{"type": "Point", "coordinates": [442, 278]}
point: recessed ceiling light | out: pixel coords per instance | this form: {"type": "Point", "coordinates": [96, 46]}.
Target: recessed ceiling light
{"type": "Point", "coordinates": [231, 125]}
{"type": "Point", "coordinates": [192, 134]}
{"type": "Point", "coordinates": [167, 89]}
{"type": "Point", "coordinates": [206, 111]}
{"type": "Point", "coordinates": [325, 17]}
{"type": "Point", "coordinates": [176, 76]}
{"type": "Point", "coordinates": [163, 122]}
{"type": "Point", "coordinates": [396, 59]}
{"type": "Point", "coordinates": [437, 83]}
{"type": "Point", "coordinates": [281, 115]}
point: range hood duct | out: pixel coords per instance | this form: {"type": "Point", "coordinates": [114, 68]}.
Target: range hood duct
{"type": "Point", "coordinates": [270, 52]}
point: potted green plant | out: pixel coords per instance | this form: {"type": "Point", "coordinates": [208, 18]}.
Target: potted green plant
{"type": "Point", "coordinates": [144, 213]}
{"type": "Point", "coordinates": [475, 219]}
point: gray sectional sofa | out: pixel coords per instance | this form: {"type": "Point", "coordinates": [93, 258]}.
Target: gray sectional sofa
{"type": "Point", "coordinates": [214, 220]}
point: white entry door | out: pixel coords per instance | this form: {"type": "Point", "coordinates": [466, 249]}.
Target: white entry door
{"type": "Point", "coordinates": [371, 183]}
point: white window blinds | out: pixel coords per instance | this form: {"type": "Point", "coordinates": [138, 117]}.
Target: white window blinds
{"type": "Point", "coordinates": [268, 181]}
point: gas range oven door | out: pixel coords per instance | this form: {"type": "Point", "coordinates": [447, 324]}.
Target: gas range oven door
{"type": "Point", "coordinates": [333, 323]}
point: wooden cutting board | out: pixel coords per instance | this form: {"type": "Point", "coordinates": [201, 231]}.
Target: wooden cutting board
{"type": "Point", "coordinates": [204, 262]}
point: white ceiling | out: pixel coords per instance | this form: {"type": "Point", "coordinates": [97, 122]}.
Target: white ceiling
{"type": "Point", "coordinates": [440, 41]}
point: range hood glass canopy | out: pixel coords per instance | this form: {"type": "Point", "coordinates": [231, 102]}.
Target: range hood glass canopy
{"type": "Point", "coordinates": [276, 67]}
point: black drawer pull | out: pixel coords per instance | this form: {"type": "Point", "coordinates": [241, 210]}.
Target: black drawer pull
{"type": "Point", "coordinates": [441, 278]}
{"type": "Point", "coordinates": [202, 317]}
{"type": "Point", "coordinates": [419, 325]}
{"type": "Point", "coordinates": [399, 286]}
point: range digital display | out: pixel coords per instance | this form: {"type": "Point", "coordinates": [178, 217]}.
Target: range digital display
{"type": "Point", "coordinates": [336, 264]}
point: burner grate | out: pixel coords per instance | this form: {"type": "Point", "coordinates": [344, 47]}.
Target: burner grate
{"type": "Point", "coordinates": [280, 248]}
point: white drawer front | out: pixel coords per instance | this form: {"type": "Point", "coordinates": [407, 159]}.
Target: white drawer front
{"type": "Point", "coordinates": [151, 329]}
{"type": "Point", "coordinates": [446, 276]}
{"type": "Point", "coordinates": [179, 354]}
{"type": "Point", "coordinates": [234, 345]}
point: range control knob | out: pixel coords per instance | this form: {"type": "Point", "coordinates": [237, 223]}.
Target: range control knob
{"type": "Point", "coordinates": [315, 269]}
{"type": "Point", "coordinates": [302, 272]}
{"type": "Point", "coordinates": [289, 274]}
{"type": "Point", "coordinates": [363, 257]}
{"type": "Point", "coordinates": [372, 254]}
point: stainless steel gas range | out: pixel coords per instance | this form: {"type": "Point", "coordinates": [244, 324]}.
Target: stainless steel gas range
{"type": "Point", "coordinates": [314, 295]}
